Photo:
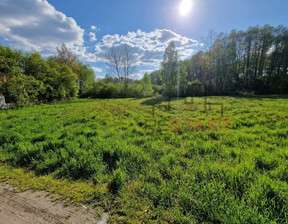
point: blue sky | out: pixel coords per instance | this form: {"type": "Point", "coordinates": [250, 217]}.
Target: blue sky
{"type": "Point", "coordinates": [90, 27]}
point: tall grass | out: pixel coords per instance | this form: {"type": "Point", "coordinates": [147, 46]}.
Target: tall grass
{"type": "Point", "coordinates": [152, 174]}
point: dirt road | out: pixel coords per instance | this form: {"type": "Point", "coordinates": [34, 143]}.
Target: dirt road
{"type": "Point", "coordinates": [36, 207]}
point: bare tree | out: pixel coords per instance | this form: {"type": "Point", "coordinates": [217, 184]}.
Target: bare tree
{"type": "Point", "coordinates": [209, 40]}
{"type": "Point", "coordinates": [114, 62]}
{"type": "Point", "coordinates": [121, 62]}
{"type": "Point", "coordinates": [128, 61]}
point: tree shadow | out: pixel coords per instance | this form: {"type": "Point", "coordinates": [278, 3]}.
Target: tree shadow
{"type": "Point", "coordinates": [260, 97]}
{"type": "Point", "coordinates": [159, 100]}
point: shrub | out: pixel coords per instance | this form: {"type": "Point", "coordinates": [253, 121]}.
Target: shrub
{"type": "Point", "coordinates": [132, 90]}
{"type": "Point", "coordinates": [195, 88]}
{"type": "Point", "coordinates": [22, 90]}
{"type": "Point", "coordinates": [117, 181]}
{"type": "Point", "coordinates": [158, 89]}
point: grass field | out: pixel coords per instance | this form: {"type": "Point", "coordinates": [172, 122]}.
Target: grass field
{"type": "Point", "coordinates": [117, 155]}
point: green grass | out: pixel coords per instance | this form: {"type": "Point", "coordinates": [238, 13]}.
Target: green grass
{"type": "Point", "coordinates": [124, 159]}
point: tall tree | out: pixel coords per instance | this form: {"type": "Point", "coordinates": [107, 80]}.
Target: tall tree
{"type": "Point", "coordinates": [147, 86]}
{"type": "Point", "coordinates": [86, 78]}
{"type": "Point", "coordinates": [182, 82]}
{"type": "Point", "coordinates": [170, 66]}
{"type": "Point", "coordinates": [156, 78]}
{"type": "Point", "coordinates": [66, 56]}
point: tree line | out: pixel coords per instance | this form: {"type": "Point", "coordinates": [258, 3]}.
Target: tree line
{"type": "Point", "coordinates": [255, 60]}
{"type": "Point", "coordinates": [27, 78]}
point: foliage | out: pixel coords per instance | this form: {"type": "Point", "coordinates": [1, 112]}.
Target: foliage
{"type": "Point", "coordinates": [182, 80]}
{"type": "Point", "coordinates": [86, 79]}
{"type": "Point", "coordinates": [101, 89]}
{"type": "Point", "coordinates": [195, 88]}
{"type": "Point", "coordinates": [30, 79]}
{"type": "Point", "coordinates": [9, 62]}
{"type": "Point", "coordinates": [147, 86]}
{"type": "Point", "coordinates": [169, 67]}
{"type": "Point", "coordinates": [66, 56]}
{"type": "Point", "coordinates": [242, 61]}
{"type": "Point", "coordinates": [158, 89]}
{"type": "Point", "coordinates": [156, 77]}
{"type": "Point", "coordinates": [22, 90]}
{"type": "Point", "coordinates": [132, 90]}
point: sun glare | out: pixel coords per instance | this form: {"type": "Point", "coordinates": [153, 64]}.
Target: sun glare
{"type": "Point", "coordinates": [185, 7]}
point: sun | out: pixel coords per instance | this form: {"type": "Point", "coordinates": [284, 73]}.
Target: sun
{"type": "Point", "coordinates": [185, 7]}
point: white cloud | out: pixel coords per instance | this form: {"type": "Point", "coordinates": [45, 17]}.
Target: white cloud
{"type": "Point", "coordinates": [136, 76]}
{"type": "Point", "coordinates": [99, 78]}
{"type": "Point", "coordinates": [95, 69]}
{"type": "Point", "coordinates": [140, 74]}
{"type": "Point", "coordinates": [36, 24]}
{"type": "Point", "coordinates": [92, 36]}
{"type": "Point", "coordinates": [95, 28]}
{"type": "Point", "coordinates": [148, 47]}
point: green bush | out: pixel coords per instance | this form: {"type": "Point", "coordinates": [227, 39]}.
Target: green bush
{"type": "Point", "coordinates": [117, 182]}
{"type": "Point", "coordinates": [132, 90]}
{"type": "Point", "coordinates": [158, 89]}
{"type": "Point", "coordinates": [195, 88]}
{"type": "Point", "coordinates": [104, 90]}
{"type": "Point", "coordinates": [30, 79]}
{"type": "Point", "coordinates": [22, 90]}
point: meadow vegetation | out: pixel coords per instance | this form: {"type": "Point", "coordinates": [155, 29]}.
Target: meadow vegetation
{"type": "Point", "coordinates": [115, 154]}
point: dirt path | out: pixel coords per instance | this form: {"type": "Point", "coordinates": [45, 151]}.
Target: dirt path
{"type": "Point", "coordinates": [36, 207]}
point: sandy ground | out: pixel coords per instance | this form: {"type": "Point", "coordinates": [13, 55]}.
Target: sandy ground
{"type": "Point", "coordinates": [36, 207]}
